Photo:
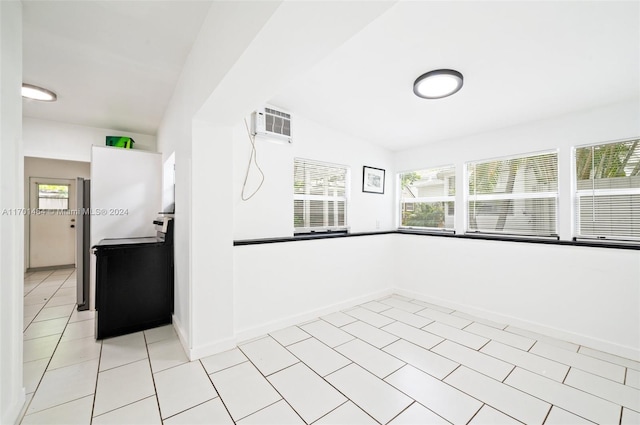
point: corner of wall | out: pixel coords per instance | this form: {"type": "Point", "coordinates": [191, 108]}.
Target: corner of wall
{"type": "Point", "coordinates": [12, 392]}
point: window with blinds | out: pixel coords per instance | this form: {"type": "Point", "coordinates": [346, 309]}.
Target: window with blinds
{"type": "Point", "coordinates": [608, 191]}
{"type": "Point", "coordinates": [514, 196]}
{"type": "Point", "coordinates": [319, 196]}
{"type": "Point", "coordinates": [427, 198]}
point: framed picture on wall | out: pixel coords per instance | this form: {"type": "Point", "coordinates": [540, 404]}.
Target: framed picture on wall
{"type": "Point", "coordinates": [372, 180]}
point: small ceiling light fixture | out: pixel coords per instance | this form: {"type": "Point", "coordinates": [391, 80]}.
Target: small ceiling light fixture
{"type": "Point", "coordinates": [38, 93]}
{"type": "Point", "coordinates": [438, 84]}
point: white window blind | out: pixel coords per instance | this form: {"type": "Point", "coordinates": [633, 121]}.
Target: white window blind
{"type": "Point", "coordinates": [608, 191]}
{"type": "Point", "coordinates": [514, 196]}
{"type": "Point", "coordinates": [427, 198]}
{"type": "Point", "coordinates": [319, 196]}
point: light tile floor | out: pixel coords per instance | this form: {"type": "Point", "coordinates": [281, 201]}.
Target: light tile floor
{"type": "Point", "coordinates": [393, 360]}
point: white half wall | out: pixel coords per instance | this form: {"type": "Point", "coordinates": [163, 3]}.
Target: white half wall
{"type": "Point", "coordinates": [58, 140]}
{"type": "Point", "coordinates": [12, 393]}
{"type": "Point", "coordinates": [589, 296]}
{"type": "Point", "coordinates": [282, 284]}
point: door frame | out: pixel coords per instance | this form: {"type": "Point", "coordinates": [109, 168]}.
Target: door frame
{"type": "Point", "coordinates": [31, 207]}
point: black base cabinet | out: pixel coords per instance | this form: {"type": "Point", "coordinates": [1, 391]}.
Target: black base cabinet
{"type": "Point", "coordinates": [134, 285]}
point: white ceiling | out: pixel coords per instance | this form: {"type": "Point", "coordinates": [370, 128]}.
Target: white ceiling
{"type": "Point", "coordinates": [522, 61]}
{"type": "Point", "coordinates": [114, 64]}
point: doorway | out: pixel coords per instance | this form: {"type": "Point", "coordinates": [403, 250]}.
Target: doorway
{"type": "Point", "coordinates": [52, 219]}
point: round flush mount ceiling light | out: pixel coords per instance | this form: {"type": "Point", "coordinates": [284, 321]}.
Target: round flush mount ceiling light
{"type": "Point", "coordinates": [30, 91]}
{"type": "Point", "coordinates": [438, 84]}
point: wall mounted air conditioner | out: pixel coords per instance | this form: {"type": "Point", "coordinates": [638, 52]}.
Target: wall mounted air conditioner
{"type": "Point", "coordinates": [271, 123]}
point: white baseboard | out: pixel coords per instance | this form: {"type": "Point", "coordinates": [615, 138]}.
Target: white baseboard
{"type": "Point", "coordinates": [212, 348]}
{"type": "Point", "coordinates": [576, 338]}
{"type": "Point", "coordinates": [257, 331]}
{"type": "Point", "coordinates": [182, 335]}
{"type": "Point", "coordinates": [250, 333]}
{"type": "Point", "coordinates": [17, 410]}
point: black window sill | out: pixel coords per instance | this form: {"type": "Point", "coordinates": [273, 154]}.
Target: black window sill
{"type": "Point", "coordinates": [332, 235]}
{"type": "Point", "coordinates": [546, 241]}
{"type": "Point", "coordinates": [307, 237]}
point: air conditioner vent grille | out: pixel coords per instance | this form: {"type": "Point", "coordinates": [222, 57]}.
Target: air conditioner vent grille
{"type": "Point", "coordinates": [272, 123]}
{"type": "Point", "coordinates": [277, 113]}
{"type": "Point", "coordinates": [278, 125]}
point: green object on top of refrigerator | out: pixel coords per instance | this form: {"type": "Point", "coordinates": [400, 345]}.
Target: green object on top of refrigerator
{"type": "Point", "coordinates": [120, 142]}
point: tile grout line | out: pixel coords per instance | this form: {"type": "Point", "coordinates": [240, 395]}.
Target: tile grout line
{"type": "Point", "coordinates": [403, 410]}
{"type": "Point", "coordinates": [121, 407]}
{"type": "Point", "coordinates": [548, 413]}
{"type": "Point", "coordinates": [46, 369]}
{"type": "Point", "coordinates": [266, 377]}
{"type": "Point", "coordinates": [478, 411]}
{"type": "Point", "coordinates": [494, 407]}
{"type": "Point", "coordinates": [224, 368]}
{"type": "Point", "coordinates": [621, 413]}
{"type": "Point", "coordinates": [44, 305]}
{"type": "Point", "coordinates": [568, 386]}
{"type": "Point", "coordinates": [566, 375]}
{"type": "Point", "coordinates": [323, 378]}
{"type": "Point", "coordinates": [95, 390]}
{"type": "Point", "coordinates": [332, 410]}
{"type": "Point", "coordinates": [509, 374]}
{"type": "Point", "coordinates": [269, 382]}
{"type": "Point", "coordinates": [153, 379]}
{"type": "Point", "coordinates": [216, 390]}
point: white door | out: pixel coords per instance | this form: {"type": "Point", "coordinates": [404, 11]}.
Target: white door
{"type": "Point", "coordinates": [52, 233]}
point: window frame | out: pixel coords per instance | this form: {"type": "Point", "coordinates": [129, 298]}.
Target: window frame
{"type": "Point", "coordinates": [593, 193]}
{"type": "Point", "coordinates": [39, 198]}
{"type": "Point", "coordinates": [402, 204]}
{"type": "Point", "coordinates": [468, 197]}
{"type": "Point", "coordinates": [306, 230]}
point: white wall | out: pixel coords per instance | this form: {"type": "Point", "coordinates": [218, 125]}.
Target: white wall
{"type": "Point", "coordinates": [58, 140]}
{"type": "Point", "coordinates": [169, 183]}
{"type": "Point", "coordinates": [50, 168]}
{"type": "Point", "coordinates": [270, 212]}
{"type": "Point", "coordinates": [12, 393]}
{"type": "Point", "coordinates": [281, 284]}
{"type": "Point", "coordinates": [219, 44]}
{"type": "Point", "coordinates": [212, 251]}
{"type": "Point", "coordinates": [589, 295]}
{"type": "Point", "coordinates": [123, 179]}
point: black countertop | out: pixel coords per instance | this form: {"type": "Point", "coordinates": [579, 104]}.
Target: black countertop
{"type": "Point", "coordinates": [128, 241]}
